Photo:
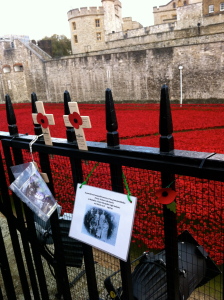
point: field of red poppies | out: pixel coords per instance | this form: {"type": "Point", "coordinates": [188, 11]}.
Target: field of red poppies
{"type": "Point", "coordinates": [196, 127]}
{"type": "Point", "coordinates": [200, 205]}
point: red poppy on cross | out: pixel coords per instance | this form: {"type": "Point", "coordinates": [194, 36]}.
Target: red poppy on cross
{"type": "Point", "coordinates": [44, 120]}
{"type": "Point", "coordinates": [78, 122]}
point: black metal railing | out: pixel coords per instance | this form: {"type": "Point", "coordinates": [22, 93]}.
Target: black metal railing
{"type": "Point", "coordinates": [33, 257]}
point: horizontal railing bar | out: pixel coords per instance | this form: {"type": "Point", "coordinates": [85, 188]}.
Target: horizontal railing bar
{"type": "Point", "coordinates": [180, 162]}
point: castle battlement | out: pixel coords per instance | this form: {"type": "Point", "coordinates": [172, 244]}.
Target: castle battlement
{"type": "Point", "coordinates": [117, 3]}
{"type": "Point", "coordinates": [85, 11]}
{"type": "Point", "coordinates": [142, 32]}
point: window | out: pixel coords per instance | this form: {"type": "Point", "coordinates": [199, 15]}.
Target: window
{"type": "Point", "coordinates": [222, 6]}
{"type": "Point", "coordinates": [6, 69]}
{"type": "Point", "coordinates": [185, 3]}
{"type": "Point", "coordinates": [97, 22]}
{"type": "Point", "coordinates": [75, 39]}
{"type": "Point", "coordinates": [18, 67]}
{"type": "Point", "coordinates": [211, 9]}
{"type": "Point", "coordinates": [74, 25]}
{"type": "Point", "coordinates": [174, 5]}
{"type": "Point", "coordinates": [98, 36]}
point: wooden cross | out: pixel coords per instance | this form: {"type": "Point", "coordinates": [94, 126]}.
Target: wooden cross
{"type": "Point", "coordinates": [44, 120]}
{"type": "Point", "coordinates": [75, 120]}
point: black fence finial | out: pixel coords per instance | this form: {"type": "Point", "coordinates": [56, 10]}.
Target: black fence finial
{"type": "Point", "coordinates": [111, 121]}
{"type": "Point", "coordinates": [37, 127]}
{"type": "Point", "coordinates": [70, 132]}
{"type": "Point", "coordinates": [165, 122]}
{"type": "Point", "coordinates": [11, 118]}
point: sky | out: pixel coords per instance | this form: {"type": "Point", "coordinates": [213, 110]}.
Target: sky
{"type": "Point", "coordinates": [40, 18]}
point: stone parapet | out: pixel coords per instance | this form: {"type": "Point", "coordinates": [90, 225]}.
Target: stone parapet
{"type": "Point", "coordinates": [85, 11]}
{"type": "Point", "coordinates": [144, 31]}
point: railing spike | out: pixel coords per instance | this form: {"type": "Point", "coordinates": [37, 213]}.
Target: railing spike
{"type": "Point", "coordinates": [111, 121]}
{"type": "Point", "coordinates": [165, 122]}
{"type": "Point", "coordinates": [37, 127]}
{"type": "Point", "coordinates": [11, 118]}
{"type": "Point", "coordinates": [67, 99]}
{"type": "Point", "coordinates": [33, 100]}
{"type": "Point", "coordinates": [70, 132]}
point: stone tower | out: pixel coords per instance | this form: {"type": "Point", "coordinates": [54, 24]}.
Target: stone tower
{"type": "Point", "coordinates": [87, 29]}
{"type": "Point", "coordinates": [89, 26]}
{"type": "Point", "coordinates": [112, 16]}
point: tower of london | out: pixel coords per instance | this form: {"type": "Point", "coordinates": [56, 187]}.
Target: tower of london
{"type": "Point", "coordinates": [109, 50]}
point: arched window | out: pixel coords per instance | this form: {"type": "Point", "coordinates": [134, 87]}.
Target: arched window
{"type": "Point", "coordinates": [185, 3]}
{"type": "Point", "coordinates": [174, 4]}
{"type": "Point", "coordinates": [6, 69]}
{"type": "Point", "coordinates": [18, 67]}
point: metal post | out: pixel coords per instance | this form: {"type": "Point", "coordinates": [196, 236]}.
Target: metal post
{"type": "Point", "coordinates": [77, 176]}
{"type": "Point", "coordinates": [170, 223]}
{"type": "Point", "coordinates": [37, 127]}
{"type": "Point", "coordinates": [5, 270]}
{"type": "Point", "coordinates": [11, 118]}
{"type": "Point", "coordinates": [117, 185]}
{"type": "Point", "coordinates": [70, 132]}
{"type": "Point", "coordinates": [181, 84]}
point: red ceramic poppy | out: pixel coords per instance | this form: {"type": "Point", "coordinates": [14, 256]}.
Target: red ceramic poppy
{"type": "Point", "coordinates": [166, 195]}
{"type": "Point", "coordinates": [75, 120]}
{"type": "Point", "coordinates": [42, 120]}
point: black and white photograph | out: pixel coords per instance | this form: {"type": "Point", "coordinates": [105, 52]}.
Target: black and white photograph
{"type": "Point", "coordinates": [101, 224]}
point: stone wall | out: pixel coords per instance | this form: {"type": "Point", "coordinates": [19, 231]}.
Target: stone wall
{"type": "Point", "coordinates": [134, 73]}
{"type": "Point", "coordinates": [128, 24]}
{"type": "Point", "coordinates": [189, 16]}
{"type": "Point", "coordinates": [139, 75]}
{"type": "Point", "coordinates": [19, 85]}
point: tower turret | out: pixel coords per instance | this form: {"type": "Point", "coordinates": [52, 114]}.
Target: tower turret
{"type": "Point", "coordinates": [112, 16]}
{"type": "Point", "coordinates": [118, 15]}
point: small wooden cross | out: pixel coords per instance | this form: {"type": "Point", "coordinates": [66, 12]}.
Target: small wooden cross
{"type": "Point", "coordinates": [44, 120]}
{"type": "Point", "coordinates": [75, 120]}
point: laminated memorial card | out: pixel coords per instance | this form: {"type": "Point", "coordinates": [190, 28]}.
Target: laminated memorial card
{"type": "Point", "coordinates": [30, 187]}
{"type": "Point", "coordinates": [103, 219]}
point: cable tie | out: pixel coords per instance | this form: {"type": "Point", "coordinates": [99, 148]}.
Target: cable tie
{"type": "Point", "coordinates": [127, 187]}
{"type": "Point", "coordinates": [88, 176]}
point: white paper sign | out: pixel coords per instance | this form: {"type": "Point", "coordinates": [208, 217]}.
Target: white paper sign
{"type": "Point", "coordinates": [103, 219]}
